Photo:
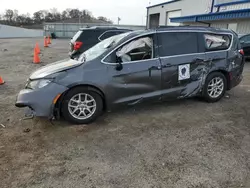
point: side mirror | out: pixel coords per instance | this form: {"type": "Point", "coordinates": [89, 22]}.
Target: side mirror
{"type": "Point", "coordinates": [119, 66]}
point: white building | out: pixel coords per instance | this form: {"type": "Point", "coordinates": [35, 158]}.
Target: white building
{"type": "Point", "coordinates": [231, 14]}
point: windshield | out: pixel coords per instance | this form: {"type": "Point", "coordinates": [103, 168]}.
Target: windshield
{"type": "Point", "coordinates": [101, 47]}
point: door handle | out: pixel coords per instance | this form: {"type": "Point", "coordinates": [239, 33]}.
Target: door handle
{"type": "Point", "coordinates": [167, 65]}
{"type": "Point", "coordinates": [198, 60]}
{"type": "Point", "coordinates": [155, 68]}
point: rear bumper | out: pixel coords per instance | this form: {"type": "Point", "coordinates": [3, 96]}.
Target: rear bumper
{"type": "Point", "coordinates": [40, 101]}
{"type": "Point", "coordinates": [74, 54]}
{"type": "Point", "coordinates": [235, 81]}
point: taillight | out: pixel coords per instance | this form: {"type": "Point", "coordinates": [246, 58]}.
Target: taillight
{"type": "Point", "coordinates": [77, 45]}
{"type": "Point", "coordinates": [241, 52]}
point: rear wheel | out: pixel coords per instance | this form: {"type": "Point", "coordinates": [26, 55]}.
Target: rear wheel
{"type": "Point", "coordinates": [81, 106]}
{"type": "Point", "coordinates": [215, 87]}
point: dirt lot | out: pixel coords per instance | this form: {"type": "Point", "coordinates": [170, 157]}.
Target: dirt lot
{"type": "Point", "coordinates": [182, 144]}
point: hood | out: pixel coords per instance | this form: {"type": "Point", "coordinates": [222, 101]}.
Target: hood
{"type": "Point", "coordinates": [54, 68]}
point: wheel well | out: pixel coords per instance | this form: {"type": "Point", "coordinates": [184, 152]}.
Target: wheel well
{"type": "Point", "coordinates": [226, 74]}
{"type": "Point", "coordinates": [90, 87]}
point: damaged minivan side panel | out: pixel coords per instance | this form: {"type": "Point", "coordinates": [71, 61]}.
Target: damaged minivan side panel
{"type": "Point", "coordinates": [187, 59]}
{"type": "Point", "coordinates": [140, 76]}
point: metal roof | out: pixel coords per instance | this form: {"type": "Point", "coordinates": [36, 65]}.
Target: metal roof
{"type": "Point", "coordinates": [161, 4]}
{"type": "Point", "coordinates": [232, 3]}
{"type": "Point", "coordinates": [234, 14]}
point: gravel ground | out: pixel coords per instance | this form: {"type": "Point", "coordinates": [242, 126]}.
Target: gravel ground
{"type": "Point", "coordinates": [180, 144]}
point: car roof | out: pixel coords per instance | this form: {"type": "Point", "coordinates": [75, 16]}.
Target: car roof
{"type": "Point", "coordinates": [103, 28]}
{"type": "Point", "coordinates": [176, 28]}
{"type": "Point", "coordinates": [194, 28]}
{"type": "Point", "coordinates": [181, 28]}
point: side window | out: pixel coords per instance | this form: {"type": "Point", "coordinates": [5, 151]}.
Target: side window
{"type": "Point", "coordinates": [89, 36]}
{"type": "Point", "coordinates": [120, 32]}
{"type": "Point", "coordinates": [245, 39]}
{"type": "Point", "coordinates": [178, 43]}
{"type": "Point", "coordinates": [136, 50]}
{"type": "Point", "coordinates": [107, 34]}
{"type": "Point", "coordinates": [217, 42]}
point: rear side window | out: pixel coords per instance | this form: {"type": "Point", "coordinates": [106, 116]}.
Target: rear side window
{"type": "Point", "coordinates": [217, 42]}
{"type": "Point", "coordinates": [245, 39]}
{"type": "Point", "coordinates": [177, 43]}
{"type": "Point", "coordinates": [107, 34]}
{"type": "Point", "coordinates": [87, 34]}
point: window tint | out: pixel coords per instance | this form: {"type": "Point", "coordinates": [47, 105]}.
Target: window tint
{"type": "Point", "coordinates": [90, 35]}
{"type": "Point", "coordinates": [245, 39]}
{"type": "Point", "coordinates": [177, 43]}
{"type": "Point", "coordinates": [107, 34]}
{"type": "Point", "coordinates": [136, 50]}
{"type": "Point", "coordinates": [217, 42]}
{"type": "Point", "coordinates": [120, 32]}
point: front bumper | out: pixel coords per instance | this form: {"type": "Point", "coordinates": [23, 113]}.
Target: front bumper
{"type": "Point", "coordinates": [40, 101]}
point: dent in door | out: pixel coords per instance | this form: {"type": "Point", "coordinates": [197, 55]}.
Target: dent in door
{"type": "Point", "coordinates": [135, 82]}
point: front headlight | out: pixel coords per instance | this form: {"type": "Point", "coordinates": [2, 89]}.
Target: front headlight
{"type": "Point", "coordinates": [37, 84]}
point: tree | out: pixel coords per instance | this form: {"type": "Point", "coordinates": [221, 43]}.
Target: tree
{"type": "Point", "coordinates": [74, 13]}
{"type": "Point", "coordinates": [49, 17]}
{"type": "Point", "coordinates": [15, 15]}
{"type": "Point", "coordinates": [101, 18]}
{"type": "Point", "coordinates": [9, 15]}
{"type": "Point", "coordinates": [21, 19]}
{"type": "Point", "coordinates": [12, 17]}
{"type": "Point", "coordinates": [104, 19]}
{"type": "Point", "coordinates": [65, 15]}
{"type": "Point", "coordinates": [38, 17]}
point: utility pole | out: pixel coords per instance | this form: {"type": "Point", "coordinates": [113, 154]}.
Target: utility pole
{"type": "Point", "coordinates": [118, 20]}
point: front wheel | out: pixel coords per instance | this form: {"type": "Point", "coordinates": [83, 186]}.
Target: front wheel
{"type": "Point", "coordinates": [81, 106]}
{"type": "Point", "coordinates": [215, 87]}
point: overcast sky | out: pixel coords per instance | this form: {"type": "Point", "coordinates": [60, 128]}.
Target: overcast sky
{"type": "Point", "coordinates": [130, 11]}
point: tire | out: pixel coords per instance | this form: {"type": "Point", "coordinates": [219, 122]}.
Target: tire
{"type": "Point", "coordinates": [71, 103]}
{"type": "Point", "coordinates": [211, 79]}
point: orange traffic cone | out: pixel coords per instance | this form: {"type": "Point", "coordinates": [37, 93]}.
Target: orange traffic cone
{"type": "Point", "coordinates": [49, 41]}
{"type": "Point", "coordinates": [37, 48]}
{"type": "Point", "coordinates": [1, 81]}
{"type": "Point", "coordinates": [36, 58]}
{"type": "Point", "coordinates": [45, 42]}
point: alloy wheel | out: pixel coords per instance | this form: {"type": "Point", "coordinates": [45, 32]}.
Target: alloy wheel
{"type": "Point", "coordinates": [215, 87]}
{"type": "Point", "coordinates": [82, 106]}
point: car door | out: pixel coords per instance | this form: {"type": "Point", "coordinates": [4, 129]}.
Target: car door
{"type": "Point", "coordinates": [182, 64]}
{"type": "Point", "coordinates": [134, 72]}
{"type": "Point", "coordinates": [245, 44]}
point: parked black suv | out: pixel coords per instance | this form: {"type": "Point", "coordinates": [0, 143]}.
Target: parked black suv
{"type": "Point", "coordinates": [245, 43]}
{"type": "Point", "coordinates": [85, 38]}
{"type": "Point", "coordinates": [137, 67]}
